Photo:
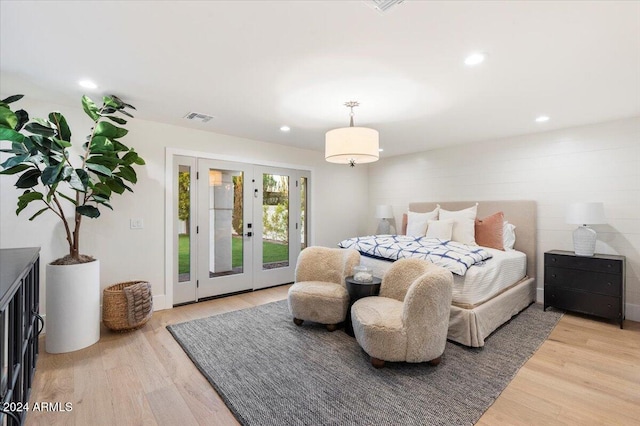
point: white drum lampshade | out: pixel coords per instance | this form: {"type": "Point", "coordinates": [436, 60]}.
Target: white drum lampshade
{"type": "Point", "coordinates": [584, 238]}
{"type": "Point", "coordinates": [384, 212]}
{"type": "Point", "coordinates": [352, 145]}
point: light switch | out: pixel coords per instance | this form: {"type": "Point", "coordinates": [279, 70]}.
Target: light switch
{"type": "Point", "coordinates": [136, 223]}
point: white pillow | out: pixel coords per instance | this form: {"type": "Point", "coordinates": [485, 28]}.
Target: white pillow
{"type": "Point", "coordinates": [508, 235]}
{"type": "Point", "coordinates": [464, 224]}
{"type": "Point", "coordinates": [417, 222]}
{"type": "Point", "coordinates": [440, 229]}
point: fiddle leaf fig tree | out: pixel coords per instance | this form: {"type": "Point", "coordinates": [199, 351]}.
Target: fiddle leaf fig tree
{"type": "Point", "coordinates": [55, 179]}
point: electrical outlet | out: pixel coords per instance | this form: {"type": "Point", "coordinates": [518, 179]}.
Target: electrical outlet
{"type": "Point", "coordinates": [136, 223]}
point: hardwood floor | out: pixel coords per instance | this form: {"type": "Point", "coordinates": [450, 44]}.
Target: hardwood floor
{"type": "Point", "coordinates": [586, 373]}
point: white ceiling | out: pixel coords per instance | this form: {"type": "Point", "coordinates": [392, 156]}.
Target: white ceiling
{"type": "Point", "coordinates": [258, 65]}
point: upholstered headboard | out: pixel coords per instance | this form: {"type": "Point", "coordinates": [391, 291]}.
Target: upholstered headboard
{"type": "Point", "coordinates": [523, 214]}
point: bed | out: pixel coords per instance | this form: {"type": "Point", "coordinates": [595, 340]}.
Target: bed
{"type": "Point", "coordinates": [486, 298]}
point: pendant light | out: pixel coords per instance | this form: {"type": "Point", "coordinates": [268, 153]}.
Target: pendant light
{"type": "Point", "coordinates": [352, 145]}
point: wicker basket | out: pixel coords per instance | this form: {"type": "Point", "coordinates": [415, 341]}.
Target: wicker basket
{"type": "Point", "coordinates": [127, 306]}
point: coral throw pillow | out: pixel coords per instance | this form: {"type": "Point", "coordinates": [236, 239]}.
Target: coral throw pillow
{"type": "Point", "coordinates": [489, 231]}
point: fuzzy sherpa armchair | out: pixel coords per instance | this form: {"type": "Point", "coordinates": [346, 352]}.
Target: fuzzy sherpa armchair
{"type": "Point", "coordinates": [319, 293]}
{"type": "Point", "coordinates": [409, 320]}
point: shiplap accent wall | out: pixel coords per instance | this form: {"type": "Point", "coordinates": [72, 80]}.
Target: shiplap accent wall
{"type": "Point", "coordinates": [589, 163]}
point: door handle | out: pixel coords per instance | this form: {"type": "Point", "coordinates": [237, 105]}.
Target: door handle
{"type": "Point", "coordinates": [249, 234]}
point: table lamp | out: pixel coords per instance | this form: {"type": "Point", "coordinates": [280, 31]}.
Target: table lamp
{"type": "Point", "coordinates": [583, 214]}
{"type": "Point", "coordinates": [384, 212]}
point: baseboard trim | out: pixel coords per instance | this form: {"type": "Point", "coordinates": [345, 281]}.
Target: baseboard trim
{"type": "Point", "coordinates": [159, 302]}
{"type": "Point", "coordinates": [158, 305]}
{"type": "Point", "coordinates": [632, 312]}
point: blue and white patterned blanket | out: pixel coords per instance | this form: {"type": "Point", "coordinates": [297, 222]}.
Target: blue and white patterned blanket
{"type": "Point", "coordinates": [451, 255]}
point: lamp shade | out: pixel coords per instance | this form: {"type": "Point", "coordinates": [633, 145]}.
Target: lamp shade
{"type": "Point", "coordinates": [384, 212]}
{"type": "Point", "coordinates": [585, 213]}
{"type": "Point", "coordinates": [352, 145]}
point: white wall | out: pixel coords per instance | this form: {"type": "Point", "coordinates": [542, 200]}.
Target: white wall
{"type": "Point", "coordinates": [338, 200]}
{"type": "Point", "coordinates": [591, 163]}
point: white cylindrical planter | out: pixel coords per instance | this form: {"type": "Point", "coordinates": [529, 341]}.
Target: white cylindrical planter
{"type": "Point", "coordinates": [73, 307]}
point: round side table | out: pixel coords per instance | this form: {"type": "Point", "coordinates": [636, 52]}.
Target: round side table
{"type": "Point", "coordinates": [358, 290]}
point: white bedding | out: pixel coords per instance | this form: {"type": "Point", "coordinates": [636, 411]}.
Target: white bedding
{"type": "Point", "coordinates": [481, 282]}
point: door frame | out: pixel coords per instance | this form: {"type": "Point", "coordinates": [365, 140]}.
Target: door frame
{"type": "Point", "coordinates": [166, 302]}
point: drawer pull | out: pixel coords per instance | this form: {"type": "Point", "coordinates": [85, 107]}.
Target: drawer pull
{"type": "Point", "coordinates": [553, 275]}
{"type": "Point", "coordinates": [608, 265]}
{"type": "Point", "coordinates": [553, 259]}
{"type": "Point", "coordinates": [609, 284]}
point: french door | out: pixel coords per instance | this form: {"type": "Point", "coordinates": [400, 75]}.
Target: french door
{"type": "Point", "coordinates": [250, 223]}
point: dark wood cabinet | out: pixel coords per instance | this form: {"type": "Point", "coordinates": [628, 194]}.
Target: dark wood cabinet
{"type": "Point", "coordinates": [20, 325]}
{"type": "Point", "coordinates": [589, 285]}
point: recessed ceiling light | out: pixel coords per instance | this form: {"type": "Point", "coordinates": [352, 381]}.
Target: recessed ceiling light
{"type": "Point", "coordinates": [475, 59]}
{"type": "Point", "coordinates": [285, 128]}
{"type": "Point", "coordinates": [88, 84]}
{"type": "Point", "coordinates": [542, 119]}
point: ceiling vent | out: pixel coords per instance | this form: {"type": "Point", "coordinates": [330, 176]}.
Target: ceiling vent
{"type": "Point", "coordinates": [196, 116]}
{"type": "Point", "coordinates": [383, 6]}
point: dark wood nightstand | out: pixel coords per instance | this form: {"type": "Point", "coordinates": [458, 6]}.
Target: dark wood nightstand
{"type": "Point", "coordinates": [590, 285]}
{"type": "Point", "coordinates": [358, 290]}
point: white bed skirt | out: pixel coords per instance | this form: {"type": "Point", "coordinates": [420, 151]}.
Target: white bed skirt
{"type": "Point", "coordinates": [471, 326]}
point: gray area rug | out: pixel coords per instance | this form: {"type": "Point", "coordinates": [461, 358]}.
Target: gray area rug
{"type": "Point", "coordinates": [271, 372]}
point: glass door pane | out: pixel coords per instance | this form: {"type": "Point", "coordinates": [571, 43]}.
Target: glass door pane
{"type": "Point", "coordinates": [225, 211]}
{"type": "Point", "coordinates": [184, 223]}
{"type": "Point", "coordinates": [304, 233]}
{"type": "Point", "coordinates": [224, 227]}
{"type": "Point", "coordinates": [275, 221]}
